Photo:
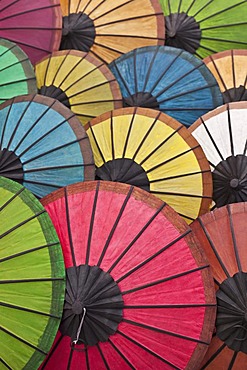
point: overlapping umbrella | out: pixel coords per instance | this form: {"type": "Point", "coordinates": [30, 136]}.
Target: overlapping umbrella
{"type": "Point", "coordinates": [108, 29]}
{"type": "Point", "coordinates": [230, 70]}
{"type": "Point", "coordinates": [223, 236]}
{"type": "Point", "coordinates": [79, 81]}
{"type": "Point", "coordinates": [222, 135]}
{"type": "Point", "coordinates": [168, 79]}
{"type": "Point", "coordinates": [32, 279]}
{"type": "Point", "coordinates": [151, 150]}
{"type": "Point", "coordinates": [16, 72]}
{"type": "Point", "coordinates": [139, 293]}
{"type": "Point", "coordinates": [42, 144]}
{"type": "Point", "coordinates": [205, 27]}
{"type": "Point", "coordinates": [36, 26]}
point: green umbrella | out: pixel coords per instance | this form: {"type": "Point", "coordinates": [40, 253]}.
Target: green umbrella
{"type": "Point", "coordinates": [31, 279]}
{"type": "Point", "coordinates": [204, 27]}
{"type": "Point", "coordinates": [16, 72]}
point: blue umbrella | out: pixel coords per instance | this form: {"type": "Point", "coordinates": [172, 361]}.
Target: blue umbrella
{"type": "Point", "coordinates": [168, 79]}
{"type": "Point", "coordinates": [42, 144]}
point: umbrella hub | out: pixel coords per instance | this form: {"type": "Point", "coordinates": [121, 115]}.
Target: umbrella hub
{"type": "Point", "coordinates": [230, 181]}
{"type": "Point", "coordinates": [55, 93]}
{"type": "Point", "coordinates": [141, 99]}
{"type": "Point", "coordinates": [93, 305]}
{"type": "Point", "coordinates": [182, 31]}
{"type": "Point", "coordinates": [231, 320]}
{"type": "Point", "coordinates": [78, 32]}
{"type": "Point", "coordinates": [10, 165]}
{"type": "Point", "coordinates": [124, 170]}
{"type": "Point", "coordinates": [235, 94]}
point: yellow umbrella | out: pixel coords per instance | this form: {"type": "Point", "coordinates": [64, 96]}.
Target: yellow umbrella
{"type": "Point", "coordinates": [110, 28]}
{"type": "Point", "coordinates": [79, 81]}
{"type": "Point", "coordinates": [230, 70]}
{"type": "Point", "coordinates": [151, 150]}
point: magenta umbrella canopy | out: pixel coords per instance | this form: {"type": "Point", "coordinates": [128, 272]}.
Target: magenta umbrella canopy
{"type": "Point", "coordinates": [34, 25]}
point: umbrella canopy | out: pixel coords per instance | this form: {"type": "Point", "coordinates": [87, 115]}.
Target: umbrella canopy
{"type": "Point", "coordinates": [139, 293]}
{"type": "Point", "coordinates": [32, 281]}
{"type": "Point", "coordinates": [205, 27]}
{"type": "Point", "coordinates": [223, 236]}
{"type": "Point", "coordinates": [16, 72]}
{"type": "Point", "coordinates": [222, 135]}
{"type": "Point", "coordinates": [79, 81]}
{"type": "Point", "coordinates": [42, 144]}
{"type": "Point", "coordinates": [230, 70]}
{"type": "Point", "coordinates": [34, 25]}
{"type": "Point", "coordinates": [108, 29]}
{"type": "Point", "coordinates": [168, 79]}
{"type": "Point", "coordinates": [149, 149]}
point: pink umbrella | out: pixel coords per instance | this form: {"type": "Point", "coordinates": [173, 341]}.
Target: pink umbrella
{"type": "Point", "coordinates": [34, 25]}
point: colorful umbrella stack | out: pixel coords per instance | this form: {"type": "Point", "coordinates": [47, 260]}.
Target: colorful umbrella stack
{"type": "Point", "coordinates": [123, 184]}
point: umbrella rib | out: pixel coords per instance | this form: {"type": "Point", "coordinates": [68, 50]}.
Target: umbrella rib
{"type": "Point", "coordinates": [86, 5]}
{"type": "Point", "coordinates": [164, 280]}
{"type": "Point", "coordinates": [219, 75]}
{"type": "Point", "coordinates": [134, 269]}
{"type": "Point", "coordinates": [233, 73]}
{"type": "Point", "coordinates": [43, 136]}
{"type": "Point", "coordinates": [186, 216]}
{"type": "Point", "coordinates": [162, 331]}
{"type": "Point", "coordinates": [100, 152]}
{"type": "Point", "coordinates": [211, 138]}
{"type": "Point", "coordinates": [14, 46]}
{"type": "Point", "coordinates": [213, 356]}
{"type": "Point", "coordinates": [103, 357]}
{"type": "Point", "coordinates": [59, 68]}
{"type": "Point", "coordinates": [158, 306]}
{"type": "Point", "coordinates": [181, 194]}
{"type": "Point", "coordinates": [129, 131]}
{"type": "Point", "coordinates": [93, 102]}
{"type": "Point", "coordinates": [148, 350]}
{"type": "Point", "coordinates": [140, 17]}
{"type": "Point", "coordinates": [5, 124]}
{"type": "Point", "coordinates": [87, 359]}
{"type": "Point", "coordinates": [90, 88]}
{"type": "Point", "coordinates": [32, 28]}
{"type": "Point", "coordinates": [150, 68]}
{"type": "Point", "coordinates": [190, 6]}
{"type": "Point", "coordinates": [36, 215]}
{"type": "Point", "coordinates": [114, 64]}
{"type": "Point", "coordinates": [202, 8]}
{"type": "Point", "coordinates": [136, 237]}
{"type": "Point", "coordinates": [179, 5]}
{"type": "Point", "coordinates": [14, 82]}
{"type": "Point", "coordinates": [27, 12]}
{"type": "Point", "coordinates": [23, 340]}
{"type": "Point", "coordinates": [27, 251]}
{"type": "Point", "coordinates": [9, 5]}
{"type": "Point", "coordinates": [170, 159]}
{"type": "Point", "coordinates": [135, 73]}
{"type": "Point", "coordinates": [221, 11]}
{"type": "Point", "coordinates": [121, 354]}
{"type": "Point", "coordinates": [5, 364]}
{"type": "Point", "coordinates": [52, 351]}
{"type": "Point", "coordinates": [57, 167]}
{"type": "Point", "coordinates": [178, 176]}
{"type": "Point", "coordinates": [234, 238]}
{"type": "Point", "coordinates": [14, 64]}
{"type": "Point", "coordinates": [68, 226]}
{"type": "Point", "coordinates": [92, 223]}
{"type": "Point", "coordinates": [115, 225]}
{"type": "Point", "coordinates": [30, 280]}
{"type": "Point", "coordinates": [12, 198]}
{"type": "Point", "coordinates": [230, 129]}
{"type": "Point", "coordinates": [70, 358]}
{"type": "Point", "coordinates": [233, 360]}
{"type": "Point", "coordinates": [224, 40]}
{"type": "Point", "coordinates": [17, 124]}
{"type": "Point", "coordinates": [54, 149]}
{"type": "Point", "coordinates": [213, 248]}
{"type": "Point", "coordinates": [30, 46]}
{"type": "Point", "coordinates": [223, 26]}
{"type": "Point", "coordinates": [8, 305]}
{"type": "Point", "coordinates": [112, 136]}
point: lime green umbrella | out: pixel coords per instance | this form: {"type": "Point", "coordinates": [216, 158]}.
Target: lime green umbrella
{"type": "Point", "coordinates": [31, 279]}
{"type": "Point", "coordinates": [17, 75]}
{"type": "Point", "coordinates": [204, 27]}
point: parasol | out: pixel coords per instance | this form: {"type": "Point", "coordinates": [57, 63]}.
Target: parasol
{"type": "Point", "coordinates": [205, 27]}
{"type": "Point", "coordinates": [16, 72]}
{"type": "Point", "coordinates": [222, 135]}
{"type": "Point", "coordinates": [42, 144]}
{"type": "Point", "coordinates": [139, 293]}
{"type": "Point", "coordinates": [79, 81]}
{"type": "Point", "coordinates": [34, 25]}
{"type": "Point", "coordinates": [149, 149]}
{"type": "Point", "coordinates": [230, 70]}
{"type": "Point", "coordinates": [108, 29]}
{"type": "Point", "coordinates": [223, 236]}
{"type": "Point", "coordinates": [32, 279]}
{"type": "Point", "coordinates": [167, 79]}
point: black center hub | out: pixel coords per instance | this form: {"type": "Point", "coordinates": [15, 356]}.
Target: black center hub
{"type": "Point", "coordinates": [93, 305]}
{"type": "Point", "coordinates": [11, 166]}
{"type": "Point", "coordinates": [55, 93]}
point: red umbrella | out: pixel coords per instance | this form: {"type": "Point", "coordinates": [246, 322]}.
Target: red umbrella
{"type": "Point", "coordinates": [36, 26]}
{"type": "Point", "coordinates": [139, 293]}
